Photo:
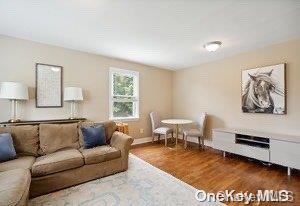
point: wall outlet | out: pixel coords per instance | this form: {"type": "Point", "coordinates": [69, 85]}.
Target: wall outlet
{"type": "Point", "coordinates": [141, 131]}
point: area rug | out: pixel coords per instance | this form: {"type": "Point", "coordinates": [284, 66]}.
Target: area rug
{"type": "Point", "coordinates": [142, 184]}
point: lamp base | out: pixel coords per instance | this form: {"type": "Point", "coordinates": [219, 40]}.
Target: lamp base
{"type": "Point", "coordinates": [72, 118]}
{"type": "Point", "coordinates": [14, 120]}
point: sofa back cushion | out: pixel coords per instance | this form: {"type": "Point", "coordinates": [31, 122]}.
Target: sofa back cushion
{"type": "Point", "coordinates": [7, 150]}
{"type": "Point", "coordinates": [54, 137]}
{"type": "Point", "coordinates": [25, 138]}
{"type": "Point", "coordinates": [110, 128]}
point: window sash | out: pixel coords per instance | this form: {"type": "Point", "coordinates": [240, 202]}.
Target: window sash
{"type": "Point", "coordinates": [124, 98]}
{"type": "Point", "coordinates": [134, 110]}
{"type": "Point", "coordinates": [125, 73]}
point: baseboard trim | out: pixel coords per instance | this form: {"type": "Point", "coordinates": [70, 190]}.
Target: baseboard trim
{"type": "Point", "coordinates": [144, 140]}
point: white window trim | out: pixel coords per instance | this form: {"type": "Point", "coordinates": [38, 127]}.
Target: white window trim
{"type": "Point", "coordinates": [135, 74]}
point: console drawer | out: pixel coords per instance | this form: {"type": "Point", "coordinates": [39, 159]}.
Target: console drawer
{"type": "Point", "coordinates": [223, 136]}
{"type": "Point", "coordinates": [262, 154]}
{"type": "Point", "coordinates": [285, 153]}
{"type": "Point", "coordinates": [224, 146]}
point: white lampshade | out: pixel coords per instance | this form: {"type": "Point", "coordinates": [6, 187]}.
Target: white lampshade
{"type": "Point", "coordinates": [73, 94]}
{"type": "Point", "coordinates": [13, 90]}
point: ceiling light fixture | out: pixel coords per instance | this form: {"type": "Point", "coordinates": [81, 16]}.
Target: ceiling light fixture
{"type": "Point", "coordinates": [212, 46]}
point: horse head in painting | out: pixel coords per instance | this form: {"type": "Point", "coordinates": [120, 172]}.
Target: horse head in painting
{"type": "Point", "coordinates": [257, 93]}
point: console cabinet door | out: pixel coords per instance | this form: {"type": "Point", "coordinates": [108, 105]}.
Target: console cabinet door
{"type": "Point", "coordinates": [285, 153]}
{"type": "Point", "coordinates": [224, 141]}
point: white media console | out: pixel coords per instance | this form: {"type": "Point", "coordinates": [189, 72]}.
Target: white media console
{"type": "Point", "coordinates": [272, 148]}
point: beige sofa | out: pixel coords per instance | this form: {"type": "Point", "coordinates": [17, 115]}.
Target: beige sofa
{"type": "Point", "coordinates": [52, 157]}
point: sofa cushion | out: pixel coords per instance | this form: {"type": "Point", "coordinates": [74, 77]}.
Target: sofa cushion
{"type": "Point", "coordinates": [110, 128]}
{"type": "Point", "coordinates": [57, 162]}
{"type": "Point", "coordinates": [14, 187]}
{"type": "Point", "coordinates": [22, 162]}
{"type": "Point", "coordinates": [54, 137]}
{"type": "Point", "coordinates": [7, 150]}
{"type": "Point", "coordinates": [93, 136]}
{"type": "Point", "coordinates": [25, 138]}
{"type": "Point", "coordinates": [100, 154]}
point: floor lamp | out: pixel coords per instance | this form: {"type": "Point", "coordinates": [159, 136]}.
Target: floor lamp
{"type": "Point", "coordinates": [14, 92]}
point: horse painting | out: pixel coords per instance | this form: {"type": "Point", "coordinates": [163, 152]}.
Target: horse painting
{"type": "Point", "coordinates": [263, 91]}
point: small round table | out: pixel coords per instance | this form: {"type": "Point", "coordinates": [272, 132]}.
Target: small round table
{"type": "Point", "coordinates": [177, 122]}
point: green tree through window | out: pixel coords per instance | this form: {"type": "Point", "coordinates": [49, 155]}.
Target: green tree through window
{"type": "Point", "coordinates": [123, 85]}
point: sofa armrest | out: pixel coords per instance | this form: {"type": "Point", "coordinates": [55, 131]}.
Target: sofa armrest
{"type": "Point", "coordinates": [122, 142]}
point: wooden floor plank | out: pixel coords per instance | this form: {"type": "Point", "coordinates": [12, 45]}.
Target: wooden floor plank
{"type": "Point", "coordinates": [209, 170]}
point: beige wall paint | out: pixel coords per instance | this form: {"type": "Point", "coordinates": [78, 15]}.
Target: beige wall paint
{"type": "Point", "coordinates": [215, 88]}
{"type": "Point", "coordinates": [212, 87]}
{"type": "Point", "coordinates": [89, 71]}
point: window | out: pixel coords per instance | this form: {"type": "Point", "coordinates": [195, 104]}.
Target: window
{"type": "Point", "coordinates": [124, 94]}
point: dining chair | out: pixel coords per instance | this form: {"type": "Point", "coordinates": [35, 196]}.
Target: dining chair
{"type": "Point", "coordinates": [196, 132]}
{"type": "Point", "coordinates": [158, 128]}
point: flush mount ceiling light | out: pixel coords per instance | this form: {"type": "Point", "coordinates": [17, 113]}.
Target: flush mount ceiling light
{"type": "Point", "coordinates": [212, 46]}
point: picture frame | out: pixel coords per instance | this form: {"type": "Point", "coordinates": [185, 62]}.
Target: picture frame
{"type": "Point", "coordinates": [263, 90]}
{"type": "Point", "coordinates": [49, 81]}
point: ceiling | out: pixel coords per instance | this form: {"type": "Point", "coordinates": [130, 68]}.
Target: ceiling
{"type": "Point", "coordinates": [164, 33]}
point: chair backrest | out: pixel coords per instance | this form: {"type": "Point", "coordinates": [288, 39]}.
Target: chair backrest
{"type": "Point", "coordinates": [202, 122]}
{"type": "Point", "coordinates": [154, 120]}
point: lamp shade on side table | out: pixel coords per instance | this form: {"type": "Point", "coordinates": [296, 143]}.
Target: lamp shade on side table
{"type": "Point", "coordinates": [73, 95]}
{"type": "Point", "coordinates": [13, 91]}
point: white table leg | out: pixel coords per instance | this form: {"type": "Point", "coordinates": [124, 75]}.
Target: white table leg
{"type": "Point", "coordinates": [177, 131]}
{"type": "Point", "coordinates": [289, 171]}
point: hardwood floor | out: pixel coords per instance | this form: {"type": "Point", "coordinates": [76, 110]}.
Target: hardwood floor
{"type": "Point", "coordinates": [210, 171]}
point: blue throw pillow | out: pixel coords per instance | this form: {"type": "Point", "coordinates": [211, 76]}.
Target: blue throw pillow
{"type": "Point", "coordinates": [7, 150]}
{"type": "Point", "coordinates": [93, 136]}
